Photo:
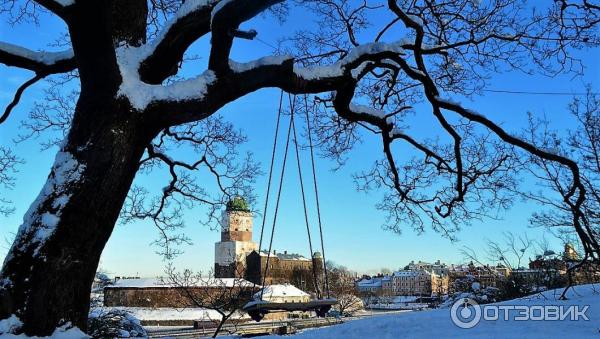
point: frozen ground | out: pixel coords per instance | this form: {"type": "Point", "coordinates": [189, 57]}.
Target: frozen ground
{"type": "Point", "coordinates": [438, 324]}
{"type": "Point", "coordinates": [164, 313]}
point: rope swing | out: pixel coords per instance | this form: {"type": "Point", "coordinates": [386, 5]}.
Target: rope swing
{"type": "Point", "coordinates": [257, 309]}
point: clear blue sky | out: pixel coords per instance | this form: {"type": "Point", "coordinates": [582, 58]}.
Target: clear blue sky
{"type": "Point", "coordinates": [353, 233]}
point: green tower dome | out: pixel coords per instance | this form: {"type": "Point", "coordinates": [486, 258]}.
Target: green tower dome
{"type": "Point", "coordinates": [238, 204]}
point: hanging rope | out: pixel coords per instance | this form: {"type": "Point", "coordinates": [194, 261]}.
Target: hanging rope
{"type": "Point", "coordinates": [262, 228]}
{"type": "Point", "coordinates": [292, 129]}
{"type": "Point", "coordinates": [314, 266]}
{"type": "Point", "coordinates": [287, 144]}
{"type": "Point", "coordinates": [312, 159]}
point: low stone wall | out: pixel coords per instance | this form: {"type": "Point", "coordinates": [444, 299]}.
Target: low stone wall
{"type": "Point", "coordinates": [157, 296]}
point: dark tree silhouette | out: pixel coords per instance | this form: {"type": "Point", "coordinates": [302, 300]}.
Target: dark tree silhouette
{"type": "Point", "coordinates": [131, 107]}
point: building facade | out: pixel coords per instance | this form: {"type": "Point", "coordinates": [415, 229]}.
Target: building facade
{"type": "Point", "coordinates": [154, 293]}
{"type": "Point", "coordinates": [237, 256]}
{"type": "Point", "coordinates": [283, 268]}
{"type": "Point", "coordinates": [236, 240]}
{"type": "Point", "coordinates": [408, 282]}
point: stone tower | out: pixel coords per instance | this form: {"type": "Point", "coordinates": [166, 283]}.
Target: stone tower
{"type": "Point", "coordinates": [236, 240]}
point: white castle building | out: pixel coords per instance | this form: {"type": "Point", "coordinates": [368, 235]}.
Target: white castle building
{"type": "Point", "coordinates": [236, 240]}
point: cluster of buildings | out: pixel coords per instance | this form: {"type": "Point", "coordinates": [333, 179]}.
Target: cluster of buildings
{"type": "Point", "coordinates": [240, 266]}
{"type": "Point", "coordinates": [240, 271]}
{"type": "Point", "coordinates": [424, 279]}
{"type": "Point", "coordinates": [417, 279]}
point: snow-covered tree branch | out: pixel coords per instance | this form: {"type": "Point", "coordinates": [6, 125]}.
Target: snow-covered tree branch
{"type": "Point", "coordinates": [350, 82]}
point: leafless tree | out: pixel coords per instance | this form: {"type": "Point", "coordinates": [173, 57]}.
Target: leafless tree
{"type": "Point", "coordinates": [132, 108]}
{"type": "Point", "coordinates": [342, 287]}
{"type": "Point", "coordinates": [224, 296]}
{"type": "Point", "coordinates": [583, 145]}
{"type": "Point", "coordinates": [8, 164]}
{"type": "Point", "coordinates": [510, 252]}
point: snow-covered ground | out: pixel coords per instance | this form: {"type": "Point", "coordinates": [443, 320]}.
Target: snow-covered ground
{"type": "Point", "coordinates": [165, 313]}
{"type": "Point", "coordinates": [438, 324]}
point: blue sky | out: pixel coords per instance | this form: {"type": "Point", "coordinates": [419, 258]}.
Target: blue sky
{"type": "Point", "coordinates": [352, 225]}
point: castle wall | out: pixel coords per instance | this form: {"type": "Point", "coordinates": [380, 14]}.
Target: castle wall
{"type": "Point", "coordinates": [236, 242]}
{"type": "Point", "coordinates": [159, 296]}
{"type": "Point", "coordinates": [294, 271]}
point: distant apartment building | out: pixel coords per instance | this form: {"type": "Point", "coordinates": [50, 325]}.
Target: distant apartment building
{"type": "Point", "coordinates": [369, 285]}
{"type": "Point", "coordinates": [405, 282]}
{"type": "Point", "coordinates": [437, 267]}
{"type": "Point", "coordinates": [408, 282]}
{"type": "Point", "coordinates": [419, 283]}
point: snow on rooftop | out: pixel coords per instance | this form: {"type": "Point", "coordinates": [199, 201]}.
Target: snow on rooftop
{"type": "Point", "coordinates": [284, 255]}
{"type": "Point", "coordinates": [406, 273]}
{"type": "Point", "coordinates": [284, 290]}
{"type": "Point", "coordinates": [158, 283]}
{"type": "Point", "coordinates": [374, 282]}
{"type": "Point", "coordinates": [47, 58]}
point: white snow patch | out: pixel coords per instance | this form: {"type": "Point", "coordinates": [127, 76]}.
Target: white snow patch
{"type": "Point", "coordinates": [438, 324]}
{"type": "Point", "coordinates": [276, 291]}
{"type": "Point", "coordinates": [65, 3]}
{"type": "Point", "coordinates": [264, 61]}
{"type": "Point", "coordinates": [217, 8]}
{"type": "Point", "coordinates": [168, 313]}
{"type": "Point", "coordinates": [158, 282]}
{"type": "Point", "coordinates": [362, 109]}
{"type": "Point", "coordinates": [50, 220]}
{"type": "Point", "coordinates": [12, 324]}
{"type": "Point", "coordinates": [130, 58]}
{"type": "Point", "coordinates": [65, 171]}
{"type": "Point", "coordinates": [395, 131]}
{"type": "Point", "coordinates": [141, 94]}
{"type": "Point", "coordinates": [337, 69]}
{"type": "Point", "coordinates": [47, 58]}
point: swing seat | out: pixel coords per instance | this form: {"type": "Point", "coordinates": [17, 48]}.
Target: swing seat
{"type": "Point", "coordinates": [258, 309]}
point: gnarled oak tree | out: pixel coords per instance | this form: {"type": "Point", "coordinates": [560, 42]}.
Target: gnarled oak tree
{"type": "Point", "coordinates": [125, 57]}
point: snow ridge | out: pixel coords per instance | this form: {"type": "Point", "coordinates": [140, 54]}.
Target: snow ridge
{"type": "Point", "coordinates": [337, 69]}
{"type": "Point", "coordinates": [47, 58]}
{"type": "Point", "coordinates": [65, 3]}
{"type": "Point", "coordinates": [264, 61]}
{"type": "Point", "coordinates": [141, 94]}
{"type": "Point", "coordinates": [217, 8]}
{"type": "Point", "coordinates": [65, 172]}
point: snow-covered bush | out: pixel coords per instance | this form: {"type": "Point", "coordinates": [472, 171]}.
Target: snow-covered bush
{"type": "Point", "coordinates": [11, 327]}
{"type": "Point", "coordinates": [114, 324]}
{"type": "Point", "coordinates": [469, 287]}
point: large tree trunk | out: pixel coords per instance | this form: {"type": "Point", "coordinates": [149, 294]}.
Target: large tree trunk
{"type": "Point", "coordinates": [47, 275]}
